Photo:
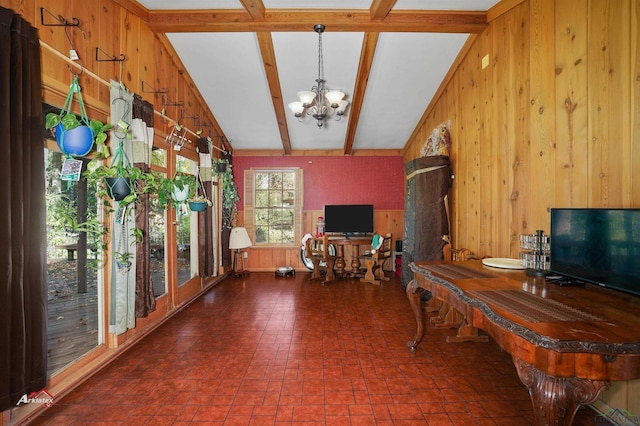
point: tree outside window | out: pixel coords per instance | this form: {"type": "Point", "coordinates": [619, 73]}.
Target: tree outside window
{"type": "Point", "coordinates": [275, 201]}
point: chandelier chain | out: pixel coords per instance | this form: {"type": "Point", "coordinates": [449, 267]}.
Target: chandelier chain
{"type": "Point", "coordinates": [320, 60]}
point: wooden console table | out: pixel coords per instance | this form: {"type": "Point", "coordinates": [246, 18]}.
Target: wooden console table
{"type": "Point", "coordinates": [567, 343]}
{"type": "Point", "coordinates": [354, 243]}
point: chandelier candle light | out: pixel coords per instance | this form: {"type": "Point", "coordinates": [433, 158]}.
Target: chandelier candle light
{"type": "Point", "coordinates": [319, 102]}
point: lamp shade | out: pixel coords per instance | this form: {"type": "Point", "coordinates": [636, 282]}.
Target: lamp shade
{"type": "Point", "coordinates": [342, 107]}
{"type": "Point", "coordinates": [334, 97]}
{"type": "Point", "coordinates": [306, 97]}
{"type": "Point", "coordinates": [297, 108]}
{"type": "Point", "coordinates": [239, 238]}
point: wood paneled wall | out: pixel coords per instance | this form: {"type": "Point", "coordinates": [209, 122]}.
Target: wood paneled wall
{"type": "Point", "coordinates": [267, 259]}
{"type": "Point", "coordinates": [552, 121]}
{"type": "Point", "coordinates": [115, 31]}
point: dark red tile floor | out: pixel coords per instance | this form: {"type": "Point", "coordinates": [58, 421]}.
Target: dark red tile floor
{"type": "Point", "coordinates": [283, 351]}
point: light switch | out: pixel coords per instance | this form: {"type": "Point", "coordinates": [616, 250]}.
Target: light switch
{"type": "Point", "coordinates": [485, 61]}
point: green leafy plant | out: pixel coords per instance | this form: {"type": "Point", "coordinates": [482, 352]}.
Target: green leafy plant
{"type": "Point", "coordinates": [138, 181]}
{"type": "Point", "coordinates": [165, 188]}
{"type": "Point", "coordinates": [229, 190]}
{"type": "Point", "coordinates": [71, 121]}
{"type": "Point", "coordinates": [141, 182]}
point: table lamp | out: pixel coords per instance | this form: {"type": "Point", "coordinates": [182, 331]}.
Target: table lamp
{"type": "Point", "coordinates": [238, 241]}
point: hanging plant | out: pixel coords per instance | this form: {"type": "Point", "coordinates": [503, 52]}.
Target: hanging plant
{"type": "Point", "coordinates": [76, 136]}
{"type": "Point", "coordinates": [199, 204]}
{"type": "Point", "coordinates": [174, 191]}
{"type": "Point", "coordinates": [123, 183]}
{"type": "Point", "coordinates": [229, 190]}
{"type": "Point", "coordinates": [119, 181]}
{"type": "Point", "coordinates": [198, 200]}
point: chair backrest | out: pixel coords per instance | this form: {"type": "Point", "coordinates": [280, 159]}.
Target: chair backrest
{"type": "Point", "coordinates": [317, 247]}
{"type": "Point", "coordinates": [385, 249]}
{"type": "Point", "coordinates": [457, 255]}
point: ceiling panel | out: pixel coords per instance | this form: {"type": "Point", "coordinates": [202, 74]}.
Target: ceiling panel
{"type": "Point", "coordinates": [407, 70]}
{"type": "Point", "coordinates": [317, 4]}
{"type": "Point", "coordinates": [444, 4]}
{"type": "Point", "coordinates": [190, 4]}
{"type": "Point", "coordinates": [228, 70]}
{"type": "Point", "coordinates": [297, 57]}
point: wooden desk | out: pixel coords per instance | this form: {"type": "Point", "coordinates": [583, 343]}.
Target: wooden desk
{"type": "Point", "coordinates": [567, 343]}
{"type": "Point", "coordinates": [354, 243]}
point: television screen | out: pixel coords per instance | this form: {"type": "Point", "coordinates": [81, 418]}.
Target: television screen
{"type": "Point", "coordinates": [601, 246]}
{"type": "Point", "coordinates": [349, 218]}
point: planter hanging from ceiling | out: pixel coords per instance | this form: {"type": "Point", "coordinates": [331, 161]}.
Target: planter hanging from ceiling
{"type": "Point", "coordinates": [76, 142]}
{"type": "Point", "coordinates": [180, 195]}
{"type": "Point", "coordinates": [119, 187]}
{"type": "Point", "coordinates": [197, 206]}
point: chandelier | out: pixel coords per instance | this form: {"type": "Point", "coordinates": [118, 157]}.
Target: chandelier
{"type": "Point", "coordinates": [319, 102]}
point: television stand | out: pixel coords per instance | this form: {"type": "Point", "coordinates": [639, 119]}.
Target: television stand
{"type": "Point", "coordinates": [356, 234]}
{"type": "Point", "coordinates": [564, 281]}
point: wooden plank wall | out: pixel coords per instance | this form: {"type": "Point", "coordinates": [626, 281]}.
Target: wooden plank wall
{"type": "Point", "coordinates": [266, 259]}
{"type": "Point", "coordinates": [115, 31]}
{"type": "Point", "coordinates": [552, 121]}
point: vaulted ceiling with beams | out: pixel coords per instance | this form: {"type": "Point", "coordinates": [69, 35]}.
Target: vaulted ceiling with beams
{"type": "Point", "coordinates": [249, 58]}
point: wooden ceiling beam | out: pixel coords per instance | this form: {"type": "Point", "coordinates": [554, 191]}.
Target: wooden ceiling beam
{"type": "Point", "coordinates": [380, 9]}
{"type": "Point", "coordinates": [369, 44]}
{"type": "Point", "coordinates": [273, 79]}
{"type": "Point", "coordinates": [172, 21]}
{"type": "Point", "coordinates": [255, 8]}
{"type": "Point", "coordinates": [134, 7]}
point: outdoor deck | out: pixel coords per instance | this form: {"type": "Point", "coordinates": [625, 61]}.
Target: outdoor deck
{"type": "Point", "coordinates": [72, 316]}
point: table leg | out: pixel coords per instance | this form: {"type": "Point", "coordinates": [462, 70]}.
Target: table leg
{"type": "Point", "coordinates": [340, 263]}
{"type": "Point", "coordinates": [355, 260]}
{"type": "Point", "coordinates": [557, 399]}
{"type": "Point", "coordinates": [413, 293]}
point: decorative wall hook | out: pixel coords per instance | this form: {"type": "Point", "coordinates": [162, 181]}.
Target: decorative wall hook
{"type": "Point", "coordinates": [153, 90]}
{"type": "Point", "coordinates": [62, 22]}
{"type": "Point", "coordinates": [121, 58]}
{"type": "Point", "coordinates": [166, 102]}
{"type": "Point", "coordinates": [195, 118]}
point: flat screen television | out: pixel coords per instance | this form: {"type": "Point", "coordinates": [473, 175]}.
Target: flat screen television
{"type": "Point", "coordinates": [349, 219]}
{"type": "Point", "coordinates": [600, 246]}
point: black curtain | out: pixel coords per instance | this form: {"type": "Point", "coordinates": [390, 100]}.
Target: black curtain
{"type": "Point", "coordinates": [23, 273]}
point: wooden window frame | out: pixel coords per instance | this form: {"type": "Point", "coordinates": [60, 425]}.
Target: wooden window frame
{"type": "Point", "coordinates": [249, 203]}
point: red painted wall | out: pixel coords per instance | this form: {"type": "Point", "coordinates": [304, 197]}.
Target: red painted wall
{"type": "Point", "coordinates": [337, 180]}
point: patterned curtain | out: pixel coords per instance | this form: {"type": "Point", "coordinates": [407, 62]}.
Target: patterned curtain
{"type": "Point", "coordinates": [206, 229]}
{"type": "Point", "coordinates": [123, 276]}
{"type": "Point", "coordinates": [23, 268]}
{"type": "Point", "coordinates": [142, 137]}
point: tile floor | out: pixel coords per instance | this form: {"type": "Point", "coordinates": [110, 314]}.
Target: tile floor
{"type": "Point", "coordinates": [282, 351]}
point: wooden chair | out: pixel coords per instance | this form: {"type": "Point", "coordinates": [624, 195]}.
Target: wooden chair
{"type": "Point", "coordinates": [374, 262]}
{"type": "Point", "coordinates": [448, 316]}
{"type": "Point", "coordinates": [317, 251]}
